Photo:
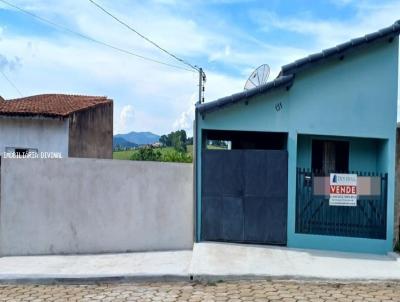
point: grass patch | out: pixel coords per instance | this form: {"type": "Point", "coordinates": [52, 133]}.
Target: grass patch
{"type": "Point", "coordinates": [164, 154]}
{"type": "Point", "coordinates": [124, 155]}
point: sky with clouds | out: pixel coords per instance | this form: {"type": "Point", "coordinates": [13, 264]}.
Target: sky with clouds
{"type": "Point", "coordinates": [228, 38]}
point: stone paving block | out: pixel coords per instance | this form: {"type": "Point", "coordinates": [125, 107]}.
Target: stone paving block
{"type": "Point", "coordinates": [233, 291]}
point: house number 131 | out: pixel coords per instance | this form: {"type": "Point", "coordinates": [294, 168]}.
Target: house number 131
{"type": "Point", "coordinates": [278, 107]}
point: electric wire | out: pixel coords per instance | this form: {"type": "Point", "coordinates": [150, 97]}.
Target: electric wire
{"type": "Point", "coordinates": [66, 29]}
{"type": "Point", "coordinates": [143, 36]}
{"type": "Point", "coordinates": [11, 83]}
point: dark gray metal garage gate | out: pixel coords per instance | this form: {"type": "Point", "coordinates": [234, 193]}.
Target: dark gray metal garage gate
{"type": "Point", "coordinates": [244, 196]}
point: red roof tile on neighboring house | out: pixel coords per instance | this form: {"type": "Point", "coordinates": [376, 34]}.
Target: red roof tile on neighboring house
{"type": "Point", "coordinates": [51, 105]}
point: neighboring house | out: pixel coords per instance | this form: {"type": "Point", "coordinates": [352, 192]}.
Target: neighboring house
{"type": "Point", "coordinates": [71, 125]}
{"type": "Point", "coordinates": [328, 114]}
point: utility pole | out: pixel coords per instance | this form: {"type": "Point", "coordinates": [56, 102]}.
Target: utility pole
{"type": "Point", "coordinates": [202, 80]}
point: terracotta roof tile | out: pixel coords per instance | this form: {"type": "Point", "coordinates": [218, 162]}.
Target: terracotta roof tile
{"type": "Point", "coordinates": [51, 105]}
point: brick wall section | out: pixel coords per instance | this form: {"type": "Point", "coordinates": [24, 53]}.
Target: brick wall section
{"type": "Point", "coordinates": [91, 132]}
{"type": "Point", "coordinates": [397, 197]}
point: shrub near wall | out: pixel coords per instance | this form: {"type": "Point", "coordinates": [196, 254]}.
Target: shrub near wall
{"type": "Point", "coordinates": [161, 154]}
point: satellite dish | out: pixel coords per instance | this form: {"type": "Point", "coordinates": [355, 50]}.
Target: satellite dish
{"type": "Point", "coordinates": [258, 77]}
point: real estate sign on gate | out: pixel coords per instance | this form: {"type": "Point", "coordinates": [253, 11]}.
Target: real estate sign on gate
{"type": "Point", "coordinates": [343, 190]}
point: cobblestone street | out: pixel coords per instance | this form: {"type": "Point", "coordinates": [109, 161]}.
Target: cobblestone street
{"type": "Point", "coordinates": [222, 291]}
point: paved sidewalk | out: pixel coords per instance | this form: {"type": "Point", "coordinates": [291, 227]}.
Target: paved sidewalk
{"type": "Point", "coordinates": [208, 261]}
{"type": "Point", "coordinates": [234, 291]}
{"type": "Point", "coordinates": [148, 265]}
{"type": "Point", "coordinates": [235, 261]}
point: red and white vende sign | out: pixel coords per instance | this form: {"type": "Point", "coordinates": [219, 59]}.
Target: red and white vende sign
{"type": "Point", "coordinates": [343, 190]}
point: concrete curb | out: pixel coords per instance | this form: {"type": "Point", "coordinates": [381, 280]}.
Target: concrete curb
{"type": "Point", "coordinates": [91, 279]}
{"type": "Point", "coordinates": [177, 278]}
{"type": "Point", "coordinates": [221, 278]}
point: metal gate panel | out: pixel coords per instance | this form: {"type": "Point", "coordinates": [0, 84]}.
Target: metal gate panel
{"type": "Point", "coordinates": [256, 173]}
{"type": "Point", "coordinates": [232, 219]}
{"type": "Point", "coordinates": [212, 196]}
{"type": "Point", "coordinates": [254, 219]}
{"type": "Point", "coordinates": [232, 180]}
{"type": "Point", "coordinates": [264, 221]}
{"type": "Point", "coordinates": [211, 226]}
{"type": "Point", "coordinates": [244, 196]}
{"type": "Point", "coordinates": [211, 176]}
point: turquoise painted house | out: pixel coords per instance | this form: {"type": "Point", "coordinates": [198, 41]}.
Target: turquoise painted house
{"type": "Point", "coordinates": [308, 159]}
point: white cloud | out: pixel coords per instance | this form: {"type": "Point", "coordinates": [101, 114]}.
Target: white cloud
{"type": "Point", "coordinates": [329, 32]}
{"type": "Point", "coordinates": [9, 63]}
{"type": "Point", "coordinates": [219, 55]}
{"type": "Point", "coordinates": [222, 85]}
{"type": "Point", "coordinates": [64, 63]}
{"type": "Point", "coordinates": [75, 66]}
{"type": "Point", "coordinates": [163, 97]}
{"type": "Point", "coordinates": [186, 118]}
{"type": "Point", "coordinates": [219, 85]}
{"type": "Point", "coordinates": [125, 118]}
{"type": "Point", "coordinates": [342, 2]}
{"type": "Point", "coordinates": [325, 32]}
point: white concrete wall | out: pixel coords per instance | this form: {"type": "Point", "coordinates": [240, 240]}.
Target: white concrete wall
{"type": "Point", "coordinates": [46, 135]}
{"type": "Point", "coordinates": [72, 205]}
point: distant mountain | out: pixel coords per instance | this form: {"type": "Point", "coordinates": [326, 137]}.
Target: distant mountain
{"type": "Point", "coordinates": [139, 138]}
{"type": "Point", "coordinates": [120, 143]}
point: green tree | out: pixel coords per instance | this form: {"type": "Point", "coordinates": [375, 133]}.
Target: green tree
{"type": "Point", "coordinates": [176, 139]}
{"type": "Point", "coordinates": [189, 141]}
{"type": "Point", "coordinates": [164, 141]}
{"type": "Point", "coordinates": [147, 153]}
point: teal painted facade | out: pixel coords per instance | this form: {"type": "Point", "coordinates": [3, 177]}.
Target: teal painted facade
{"type": "Point", "coordinates": [353, 98]}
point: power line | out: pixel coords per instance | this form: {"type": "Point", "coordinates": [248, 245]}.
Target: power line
{"type": "Point", "coordinates": [144, 37]}
{"type": "Point", "coordinates": [11, 83]}
{"type": "Point", "coordinates": [202, 75]}
{"type": "Point", "coordinates": [90, 38]}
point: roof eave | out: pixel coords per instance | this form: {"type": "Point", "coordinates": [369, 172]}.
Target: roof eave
{"type": "Point", "coordinates": [340, 50]}
{"type": "Point", "coordinates": [32, 115]}
{"type": "Point", "coordinates": [281, 82]}
{"type": "Point", "coordinates": [55, 115]}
